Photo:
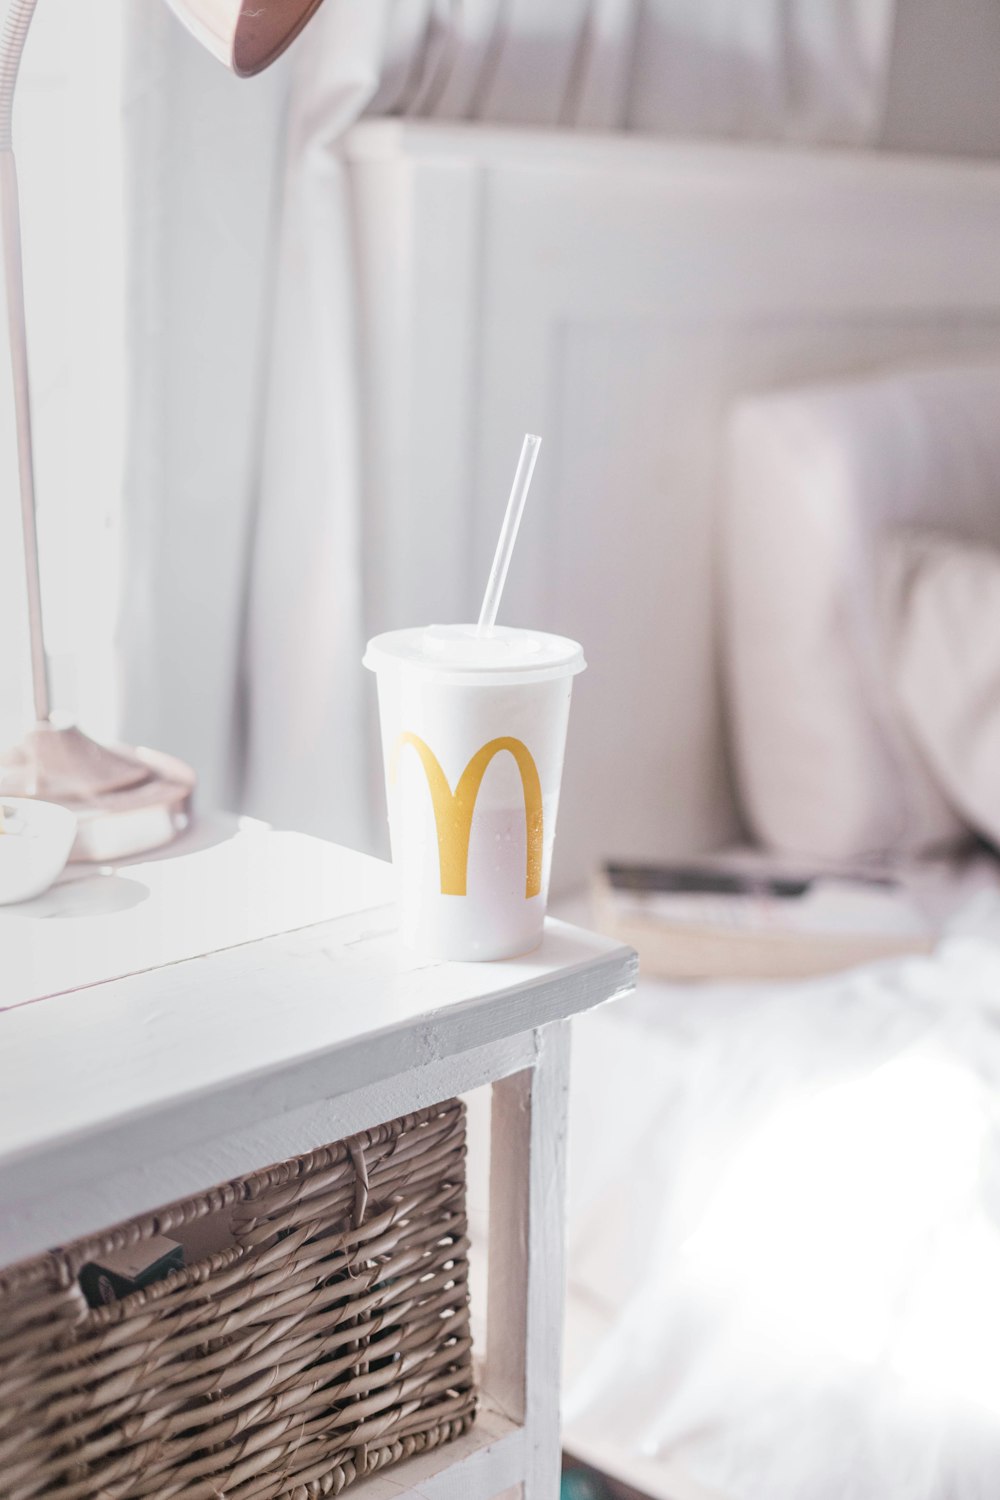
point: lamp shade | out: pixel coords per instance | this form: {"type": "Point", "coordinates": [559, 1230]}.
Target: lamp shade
{"type": "Point", "coordinates": [246, 35]}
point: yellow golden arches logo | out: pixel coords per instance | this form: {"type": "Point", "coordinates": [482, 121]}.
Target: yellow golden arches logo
{"type": "Point", "coordinates": [453, 810]}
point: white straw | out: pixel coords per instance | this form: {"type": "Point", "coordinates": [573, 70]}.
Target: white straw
{"type": "Point", "coordinates": [508, 533]}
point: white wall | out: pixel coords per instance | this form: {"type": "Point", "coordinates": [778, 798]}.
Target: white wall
{"type": "Point", "coordinates": [944, 79]}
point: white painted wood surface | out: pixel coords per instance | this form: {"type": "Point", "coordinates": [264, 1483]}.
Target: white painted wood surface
{"type": "Point", "coordinates": [157, 1078]}
{"type": "Point", "coordinates": [615, 294]}
{"type": "Point", "coordinates": [227, 881]}
{"type": "Point", "coordinates": [524, 1322]}
{"type": "Point", "coordinates": [126, 1093]}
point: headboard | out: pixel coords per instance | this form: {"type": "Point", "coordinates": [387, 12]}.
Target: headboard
{"type": "Point", "coordinates": [616, 293]}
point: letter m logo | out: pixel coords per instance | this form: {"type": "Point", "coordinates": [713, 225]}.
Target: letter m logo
{"type": "Point", "coordinates": [453, 810]}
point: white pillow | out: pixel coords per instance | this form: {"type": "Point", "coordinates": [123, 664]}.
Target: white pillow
{"type": "Point", "coordinates": [825, 764]}
{"type": "Point", "coordinates": [942, 600]}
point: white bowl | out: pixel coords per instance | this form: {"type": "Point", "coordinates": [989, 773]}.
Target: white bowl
{"type": "Point", "coordinates": [34, 846]}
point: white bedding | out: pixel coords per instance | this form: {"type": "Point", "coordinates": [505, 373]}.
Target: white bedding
{"type": "Point", "coordinates": [785, 1210]}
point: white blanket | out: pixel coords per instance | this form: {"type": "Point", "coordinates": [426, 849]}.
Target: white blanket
{"type": "Point", "coordinates": [787, 1207]}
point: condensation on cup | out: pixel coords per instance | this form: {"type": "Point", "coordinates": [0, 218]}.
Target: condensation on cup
{"type": "Point", "coordinates": [473, 735]}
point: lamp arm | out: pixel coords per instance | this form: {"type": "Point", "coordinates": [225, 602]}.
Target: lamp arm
{"type": "Point", "coordinates": [17, 23]}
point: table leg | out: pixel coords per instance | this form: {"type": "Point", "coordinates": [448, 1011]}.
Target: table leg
{"type": "Point", "coordinates": [525, 1306]}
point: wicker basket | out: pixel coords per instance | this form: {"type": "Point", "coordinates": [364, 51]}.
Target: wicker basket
{"type": "Point", "coordinates": [330, 1338]}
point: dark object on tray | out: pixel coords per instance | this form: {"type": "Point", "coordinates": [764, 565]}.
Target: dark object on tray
{"type": "Point", "coordinates": [329, 1340]}
{"type": "Point", "coordinates": [698, 880]}
{"type": "Point", "coordinates": [739, 917]}
{"type": "Point", "coordinates": [705, 880]}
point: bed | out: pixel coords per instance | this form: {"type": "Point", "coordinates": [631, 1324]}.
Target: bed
{"type": "Point", "coordinates": [782, 1221]}
{"type": "Point", "coordinates": [785, 1220]}
{"type": "Point", "coordinates": [808, 1306]}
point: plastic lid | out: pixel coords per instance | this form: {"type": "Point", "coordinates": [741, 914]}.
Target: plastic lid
{"type": "Point", "coordinates": [457, 653]}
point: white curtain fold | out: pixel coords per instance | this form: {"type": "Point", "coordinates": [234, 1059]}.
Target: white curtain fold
{"type": "Point", "coordinates": [305, 752]}
{"type": "Point", "coordinates": [807, 70]}
{"type": "Point", "coordinates": [202, 177]}
{"type": "Point", "coordinates": [244, 616]}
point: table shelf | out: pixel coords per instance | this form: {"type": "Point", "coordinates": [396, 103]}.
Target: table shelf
{"type": "Point", "coordinates": [270, 1026]}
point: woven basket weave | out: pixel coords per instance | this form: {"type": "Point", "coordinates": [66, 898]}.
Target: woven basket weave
{"type": "Point", "coordinates": [331, 1339]}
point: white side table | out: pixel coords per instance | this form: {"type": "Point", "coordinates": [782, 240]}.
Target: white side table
{"type": "Point", "coordinates": [175, 1023]}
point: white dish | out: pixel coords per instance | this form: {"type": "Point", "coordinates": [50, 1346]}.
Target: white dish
{"type": "Point", "coordinates": [34, 846]}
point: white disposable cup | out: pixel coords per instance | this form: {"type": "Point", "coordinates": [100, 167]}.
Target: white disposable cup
{"type": "Point", "coordinates": [473, 736]}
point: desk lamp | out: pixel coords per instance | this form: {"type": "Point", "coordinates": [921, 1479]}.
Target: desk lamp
{"type": "Point", "coordinates": [127, 800]}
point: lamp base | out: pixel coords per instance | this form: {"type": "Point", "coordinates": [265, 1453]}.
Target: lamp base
{"type": "Point", "coordinates": [127, 801]}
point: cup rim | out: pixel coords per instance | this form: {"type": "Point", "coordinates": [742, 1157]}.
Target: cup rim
{"type": "Point", "coordinates": [558, 657]}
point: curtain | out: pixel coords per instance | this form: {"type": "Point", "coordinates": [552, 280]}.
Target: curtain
{"type": "Point", "coordinates": [203, 157]}
{"type": "Point", "coordinates": [809, 70]}
{"type": "Point", "coordinates": [244, 612]}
